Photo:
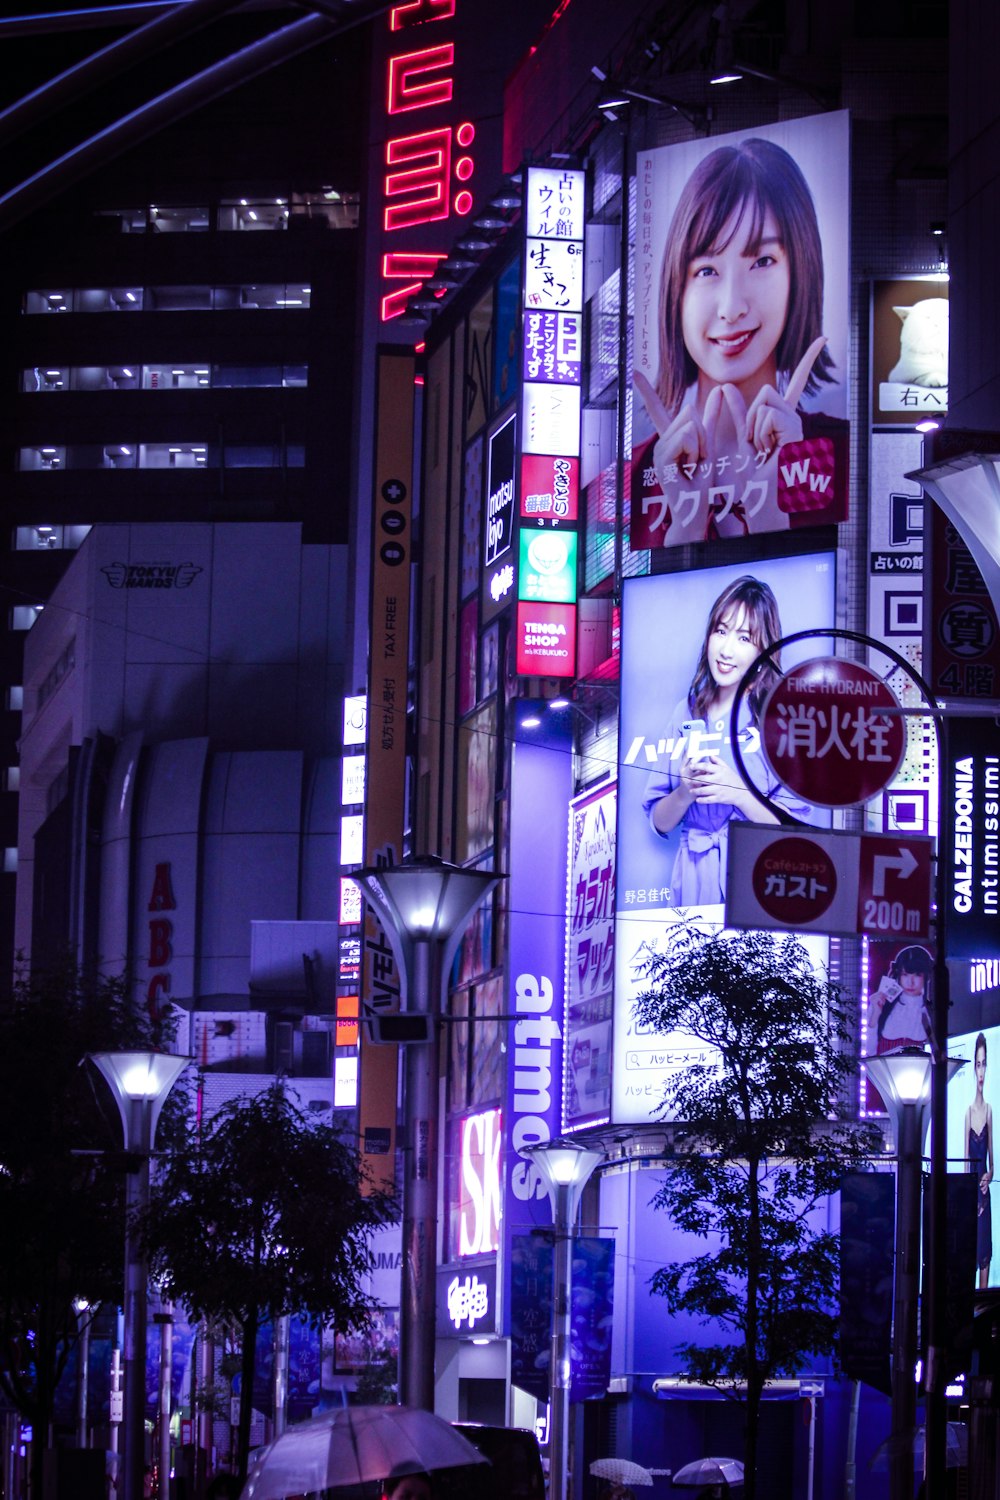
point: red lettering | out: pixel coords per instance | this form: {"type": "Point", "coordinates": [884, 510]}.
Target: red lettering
{"type": "Point", "coordinates": [409, 89]}
{"type": "Point", "coordinates": [413, 270]}
{"type": "Point", "coordinates": [160, 949]}
{"type": "Point", "coordinates": [423, 184]}
{"type": "Point", "coordinates": [162, 898]}
{"type": "Point", "coordinates": [417, 12]}
{"type": "Point", "coordinates": [158, 985]}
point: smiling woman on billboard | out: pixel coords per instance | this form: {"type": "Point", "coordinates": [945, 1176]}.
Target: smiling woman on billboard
{"type": "Point", "coordinates": [700, 792]}
{"type": "Point", "coordinates": [735, 369]}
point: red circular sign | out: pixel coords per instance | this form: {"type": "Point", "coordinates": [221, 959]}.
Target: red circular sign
{"type": "Point", "coordinates": [826, 734]}
{"type": "Point", "coordinates": [794, 880]}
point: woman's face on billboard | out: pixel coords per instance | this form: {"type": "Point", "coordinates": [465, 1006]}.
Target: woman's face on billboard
{"type": "Point", "coordinates": [734, 306]}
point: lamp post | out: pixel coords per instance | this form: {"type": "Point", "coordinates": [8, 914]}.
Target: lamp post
{"type": "Point", "coordinates": [424, 906]}
{"type": "Point", "coordinates": [84, 1317]}
{"type": "Point", "coordinates": [904, 1080]}
{"type": "Point", "coordinates": [140, 1082]}
{"type": "Point", "coordinates": [566, 1166]}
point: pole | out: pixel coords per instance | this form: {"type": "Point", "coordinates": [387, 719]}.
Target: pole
{"type": "Point", "coordinates": [559, 1354]}
{"type": "Point", "coordinates": [205, 1366]}
{"type": "Point", "coordinates": [82, 1376]}
{"type": "Point", "coordinates": [165, 1320]}
{"type": "Point", "coordinates": [416, 1350]}
{"type": "Point", "coordinates": [116, 1405]}
{"type": "Point", "coordinates": [281, 1334]}
{"type": "Point", "coordinates": [134, 1352]}
{"type": "Point", "coordinates": [904, 1322]}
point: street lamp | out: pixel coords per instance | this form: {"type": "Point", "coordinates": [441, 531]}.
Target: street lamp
{"type": "Point", "coordinates": [566, 1166]}
{"type": "Point", "coordinates": [903, 1078]}
{"type": "Point", "coordinates": [140, 1082]}
{"type": "Point", "coordinates": [424, 906]}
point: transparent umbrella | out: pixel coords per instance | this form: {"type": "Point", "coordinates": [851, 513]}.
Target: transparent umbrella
{"type": "Point", "coordinates": [956, 1448]}
{"type": "Point", "coordinates": [710, 1471]}
{"type": "Point", "coordinates": [352, 1445]}
{"type": "Point", "coordinates": [620, 1471]}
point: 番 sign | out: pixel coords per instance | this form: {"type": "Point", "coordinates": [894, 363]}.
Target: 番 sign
{"type": "Point", "coordinates": [820, 881]}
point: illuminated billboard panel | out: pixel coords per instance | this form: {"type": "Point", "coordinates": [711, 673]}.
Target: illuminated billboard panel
{"type": "Point", "coordinates": [684, 648]}
{"type": "Point", "coordinates": [742, 317]}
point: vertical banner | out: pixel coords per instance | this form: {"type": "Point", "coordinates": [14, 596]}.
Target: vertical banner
{"type": "Point", "coordinates": [867, 1237]}
{"type": "Point", "coordinates": [392, 522]}
{"type": "Point", "coordinates": [895, 615]}
{"type": "Point", "coordinates": [590, 957]}
{"type": "Point", "coordinates": [531, 1311]}
{"type": "Point", "coordinates": [963, 640]}
{"type": "Point", "coordinates": [540, 789]}
{"type": "Point", "coordinates": [592, 1297]}
{"type": "Point", "coordinates": [970, 838]}
{"type": "Point", "coordinates": [742, 316]}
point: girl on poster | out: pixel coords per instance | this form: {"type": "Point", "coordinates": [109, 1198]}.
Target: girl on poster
{"type": "Point", "coordinates": [701, 791]}
{"type": "Point", "coordinates": [897, 1010]}
{"type": "Point", "coordinates": [979, 1150]}
{"type": "Point", "coordinates": [740, 343]}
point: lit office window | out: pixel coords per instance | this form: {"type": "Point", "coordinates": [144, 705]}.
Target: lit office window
{"type": "Point", "coordinates": [253, 213]}
{"type": "Point", "coordinates": [49, 300]}
{"type": "Point", "coordinates": [49, 538]}
{"type": "Point", "coordinates": [45, 378]}
{"type": "Point", "coordinates": [12, 779]}
{"type": "Point", "coordinates": [15, 698]}
{"type": "Point", "coordinates": [178, 376]}
{"type": "Point", "coordinates": [42, 459]}
{"type": "Point", "coordinates": [165, 220]}
{"type": "Point", "coordinates": [10, 861]}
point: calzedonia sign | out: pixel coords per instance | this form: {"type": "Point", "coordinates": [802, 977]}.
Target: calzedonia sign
{"type": "Point", "coordinates": [971, 838]}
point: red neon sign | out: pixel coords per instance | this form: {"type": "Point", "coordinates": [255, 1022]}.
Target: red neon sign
{"type": "Point", "coordinates": [416, 12]}
{"type": "Point", "coordinates": [408, 86]}
{"type": "Point", "coordinates": [412, 269]}
{"type": "Point", "coordinates": [423, 184]}
{"type": "Point", "coordinates": [419, 168]}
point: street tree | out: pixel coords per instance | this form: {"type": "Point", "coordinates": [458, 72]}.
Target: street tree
{"type": "Point", "coordinates": [762, 1137]}
{"type": "Point", "coordinates": [61, 1180]}
{"type": "Point", "coordinates": [262, 1212]}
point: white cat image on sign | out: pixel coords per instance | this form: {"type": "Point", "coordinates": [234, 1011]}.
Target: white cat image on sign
{"type": "Point", "coordinates": [923, 344]}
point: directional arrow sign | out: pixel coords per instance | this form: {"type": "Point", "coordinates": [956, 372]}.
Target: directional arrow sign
{"type": "Point", "coordinates": [816, 880]}
{"type": "Point", "coordinates": [902, 862]}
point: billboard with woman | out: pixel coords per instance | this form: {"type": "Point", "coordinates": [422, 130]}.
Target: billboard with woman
{"type": "Point", "coordinates": [687, 639]}
{"type": "Point", "coordinates": [739, 412]}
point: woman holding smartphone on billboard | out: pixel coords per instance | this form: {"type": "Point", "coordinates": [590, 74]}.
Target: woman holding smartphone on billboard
{"type": "Point", "coordinates": [701, 791]}
{"type": "Point", "coordinates": [741, 342]}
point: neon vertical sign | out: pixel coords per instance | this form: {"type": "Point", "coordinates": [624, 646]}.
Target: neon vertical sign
{"type": "Point", "coordinates": [551, 379]}
{"type": "Point", "coordinates": [427, 162]}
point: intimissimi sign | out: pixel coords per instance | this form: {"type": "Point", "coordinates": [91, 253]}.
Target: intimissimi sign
{"type": "Point", "coordinates": [971, 839]}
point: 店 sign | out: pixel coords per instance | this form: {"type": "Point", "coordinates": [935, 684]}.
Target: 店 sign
{"type": "Point", "coordinates": [821, 881]}
{"type": "Point", "coordinates": [832, 732]}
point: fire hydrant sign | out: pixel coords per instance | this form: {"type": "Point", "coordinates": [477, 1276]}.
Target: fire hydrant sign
{"type": "Point", "coordinates": [831, 730]}
{"type": "Point", "coordinates": [820, 881]}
